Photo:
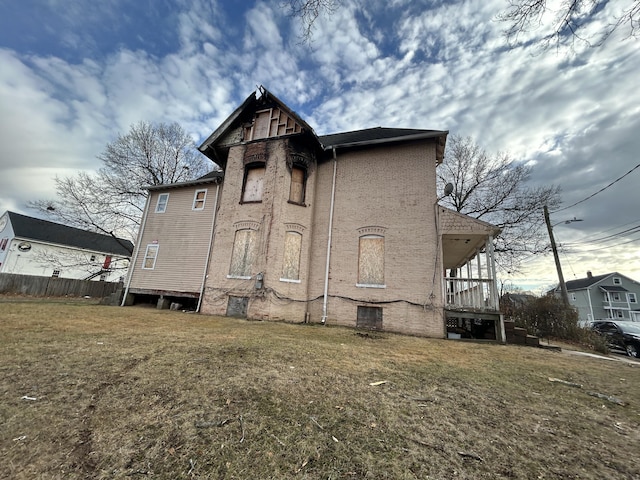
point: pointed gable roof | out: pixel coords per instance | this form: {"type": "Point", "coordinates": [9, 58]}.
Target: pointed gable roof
{"type": "Point", "coordinates": [215, 146]}
{"type": "Point", "coordinates": [29, 228]}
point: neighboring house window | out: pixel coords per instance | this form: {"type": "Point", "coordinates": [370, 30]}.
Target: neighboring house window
{"type": "Point", "coordinates": [632, 297]}
{"type": "Point", "coordinates": [253, 183]}
{"type": "Point", "coordinates": [93, 258]}
{"type": "Point", "coordinates": [55, 274]}
{"type": "Point", "coordinates": [3, 243]}
{"type": "Point", "coordinates": [161, 206]}
{"type": "Point", "coordinates": [198, 199]}
{"type": "Point", "coordinates": [573, 297]}
{"type": "Point", "coordinates": [296, 191]}
{"type": "Point", "coordinates": [149, 262]}
{"type": "Point", "coordinates": [291, 262]}
{"type": "Point", "coordinates": [371, 261]}
{"type": "Point", "coordinates": [103, 277]}
{"type": "Point", "coordinates": [617, 281]}
{"type": "Point", "coordinates": [243, 255]}
{"type": "Point", "coordinates": [616, 297]}
{"type": "Point", "coordinates": [619, 314]}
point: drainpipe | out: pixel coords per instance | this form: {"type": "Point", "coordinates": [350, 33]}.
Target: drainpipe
{"type": "Point", "coordinates": [326, 272]}
{"type": "Point", "coordinates": [590, 306]}
{"type": "Point", "coordinates": [132, 265]}
{"type": "Point", "coordinates": [208, 261]}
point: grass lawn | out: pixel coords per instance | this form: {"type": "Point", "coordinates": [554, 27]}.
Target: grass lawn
{"type": "Point", "coordinates": [90, 391]}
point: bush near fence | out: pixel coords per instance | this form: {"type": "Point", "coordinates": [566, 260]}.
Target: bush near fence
{"type": "Point", "coordinates": [11, 283]}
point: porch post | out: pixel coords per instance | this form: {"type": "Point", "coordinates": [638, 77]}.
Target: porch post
{"type": "Point", "coordinates": [494, 290]}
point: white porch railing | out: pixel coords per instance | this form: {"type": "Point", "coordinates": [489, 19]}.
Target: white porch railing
{"type": "Point", "coordinates": [471, 293]}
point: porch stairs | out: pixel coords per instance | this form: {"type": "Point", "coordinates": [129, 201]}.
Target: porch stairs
{"type": "Point", "coordinates": [519, 336]}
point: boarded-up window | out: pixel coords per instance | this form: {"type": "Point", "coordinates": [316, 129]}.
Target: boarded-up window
{"type": "Point", "coordinates": [150, 256]}
{"type": "Point", "coordinates": [198, 199]}
{"type": "Point", "coordinates": [261, 125]}
{"type": "Point", "coordinates": [371, 260]}
{"type": "Point", "coordinates": [291, 263]}
{"type": "Point", "coordinates": [369, 317]}
{"type": "Point", "coordinates": [244, 247]}
{"type": "Point", "coordinates": [161, 206]}
{"type": "Point", "coordinates": [253, 184]}
{"type": "Point", "coordinates": [296, 193]}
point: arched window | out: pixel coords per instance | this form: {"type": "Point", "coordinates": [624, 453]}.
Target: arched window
{"type": "Point", "coordinates": [243, 255]}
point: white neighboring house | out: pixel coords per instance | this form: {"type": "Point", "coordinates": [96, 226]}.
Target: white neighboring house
{"type": "Point", "coordinates": [31, 246]}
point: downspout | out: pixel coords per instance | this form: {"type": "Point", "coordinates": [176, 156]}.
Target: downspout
{"type": "Point", "coordinates": [137, 249]}
{"type": "Point", "coordinates": [208, 261]}
{"type": "Point", "coordinates": [326, 272]}
{"type": "Point", "coordinates": [590, 306]}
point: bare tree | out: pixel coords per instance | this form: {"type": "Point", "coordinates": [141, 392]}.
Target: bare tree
{"type": "Point", "coordinates": [308, 12]}
{"type": "Point", "coordinates": [494, 188]}
{"type": "Point", "coordinates": [112, 200]}
{"type": "Point", "coordinates": [562, 22]}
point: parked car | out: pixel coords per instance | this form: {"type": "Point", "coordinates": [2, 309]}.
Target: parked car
{"type": "Point", "coordinates": [620, 335]}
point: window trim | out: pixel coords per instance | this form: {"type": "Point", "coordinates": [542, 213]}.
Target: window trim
{"type": "Point", "coordinates": [146, 256]}
{"type": "Point", "coordinates": [196, 200]}
{"type": "Point", "coordinates": [632, 297]}
{"type": "Point", "coordinates": [617, 281]}
{"type": "Point", "coordinates": [166, 203]}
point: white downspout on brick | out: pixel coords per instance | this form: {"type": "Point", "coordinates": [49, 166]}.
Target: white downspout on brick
{"type": "Point", "coordinates": [132, 265]}
{"type": "Point", "coordinates": [326, 272]}
{"type": "Point", "coordinates": [208, 261]}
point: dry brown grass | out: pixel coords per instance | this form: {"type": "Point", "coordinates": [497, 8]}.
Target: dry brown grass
{"type": "Point", "coordinates": [141, 393]}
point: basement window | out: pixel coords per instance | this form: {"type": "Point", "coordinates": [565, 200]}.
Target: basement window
{"type": "Point", "coordinates": [253, 183]}
{"type": "Point", "coordinates": [369, 317]}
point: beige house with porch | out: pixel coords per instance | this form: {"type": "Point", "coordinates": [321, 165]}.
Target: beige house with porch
{"type": "Point", "coordinates": [341, 229]}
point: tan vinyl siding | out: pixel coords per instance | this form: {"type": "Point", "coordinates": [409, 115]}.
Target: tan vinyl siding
{"type": "Point", "coordinates": [182, 236]}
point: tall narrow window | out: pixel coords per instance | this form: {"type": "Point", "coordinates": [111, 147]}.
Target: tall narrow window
{"type": "Point", "coordinates": [149, 261]}
{"type": "Point", "coordinates": [161, 206]}
{"type": "Point", "coordinates": [291, 262]}
{"type": "Point", "coordinates": [296, 192]}
{"type": "Point", "coordinates": [198, 199]}
{"type": "Point", "coordinates": [243, 255]}
{"type": "Point", "coordinates": [253, 184]}
{"type": "Point", "coordinates": [371, 261]}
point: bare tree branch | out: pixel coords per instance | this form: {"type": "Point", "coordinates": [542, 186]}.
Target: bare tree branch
{"type": "Point", "coordinates": [494, 188]}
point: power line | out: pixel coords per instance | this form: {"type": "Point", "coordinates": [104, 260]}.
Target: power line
{"type": "Point", "coordinates": [599, 191]}
{"type": "Point", "coordinates": [628, 231]}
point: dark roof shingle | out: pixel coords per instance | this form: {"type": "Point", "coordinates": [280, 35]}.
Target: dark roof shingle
{"type": "Point", "coordinates": [51, 232]}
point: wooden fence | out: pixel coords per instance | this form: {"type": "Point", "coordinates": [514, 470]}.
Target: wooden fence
{"type": "Point", "coordinates": [11, 283]}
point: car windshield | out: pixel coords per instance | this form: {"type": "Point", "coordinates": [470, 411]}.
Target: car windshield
{"type": "Point", "coordinates": [630, 328]}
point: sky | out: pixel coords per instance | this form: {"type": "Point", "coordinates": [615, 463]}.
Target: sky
{"type": "Point", "coordinates": [76, 73]}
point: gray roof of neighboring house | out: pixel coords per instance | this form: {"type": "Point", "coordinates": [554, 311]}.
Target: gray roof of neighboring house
{"type": "Point", "coordinates": [585, 282]}
{"type": "Point", "coordinates": [45, 231]}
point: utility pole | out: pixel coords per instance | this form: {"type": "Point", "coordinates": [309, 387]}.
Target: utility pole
{"type": "Point", "coordinates": [563, 286]}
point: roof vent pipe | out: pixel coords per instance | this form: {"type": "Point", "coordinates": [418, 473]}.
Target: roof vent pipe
{"type": "Point", "coordinates": [589, 274]}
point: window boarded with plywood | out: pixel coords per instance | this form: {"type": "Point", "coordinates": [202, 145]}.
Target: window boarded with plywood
{"type": "Point", "coordinates": [371, 260]}
{"type": "Point", "coordinates": [273, 123]}
{"type": "Point", "coordinates": [291, 263]}
{"type": "Point", "coordinates": [369, 317]}
{"type": "Point", "coordinates": [253, 184]}
{"type": "Point", "coordinates": [243, 255]}
{"type": "Point", "coordinates": [296, 192]}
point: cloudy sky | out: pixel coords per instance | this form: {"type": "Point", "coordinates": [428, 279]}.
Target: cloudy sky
{"type": "Point", "coordinates": [75, 73]}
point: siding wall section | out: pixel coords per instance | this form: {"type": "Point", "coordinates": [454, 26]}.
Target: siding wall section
{"type": "Point", "coordinates": [182, 235]}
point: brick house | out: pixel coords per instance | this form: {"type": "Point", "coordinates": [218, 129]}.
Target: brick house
{"type": "Point", "coordinates": [342, 229]}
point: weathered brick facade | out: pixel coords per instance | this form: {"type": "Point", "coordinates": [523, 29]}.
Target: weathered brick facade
{"type": "Point", "coordinates": [362, 246]}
